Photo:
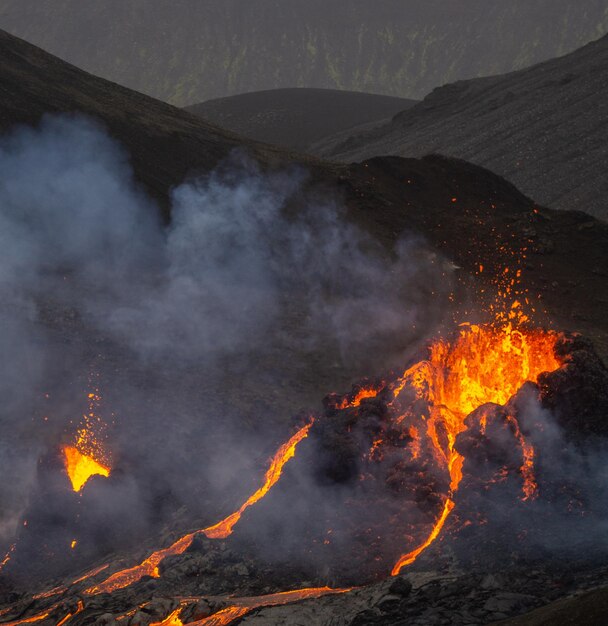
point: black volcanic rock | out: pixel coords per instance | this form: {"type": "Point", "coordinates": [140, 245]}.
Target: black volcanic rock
{"type": "Point", "coordinates": [435, 197]}
{"type": "Point", "coordinates": [577, 393]}
{"type": "Point", "coordinates": [545, 128]}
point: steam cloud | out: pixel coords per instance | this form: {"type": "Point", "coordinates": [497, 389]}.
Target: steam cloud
{"type": "Point", "coordinates": [253, 265]}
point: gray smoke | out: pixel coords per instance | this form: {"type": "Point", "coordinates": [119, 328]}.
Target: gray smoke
{"type": "Point", "coordinates": [257, 279]}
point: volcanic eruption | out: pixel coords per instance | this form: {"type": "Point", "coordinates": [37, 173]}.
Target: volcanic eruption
{"type": "Point", "coordinates": [86, 457]}
{"type": "Point", "coordinates": [412, 424]}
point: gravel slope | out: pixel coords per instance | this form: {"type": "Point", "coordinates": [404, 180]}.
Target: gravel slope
{"type": "Point", "coordinates": [544, 128]}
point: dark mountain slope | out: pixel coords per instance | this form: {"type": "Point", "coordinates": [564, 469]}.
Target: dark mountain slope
{"type": "Point", "coordinates": [544, 128]}
{"type": "Point", "coordinates": [164, 143]}
{"type": "Point", "coordinates": [297, 118]}
{"type": "Point", "coordinates": [184, 52]}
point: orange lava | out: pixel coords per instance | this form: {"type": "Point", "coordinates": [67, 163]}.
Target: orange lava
{"type": "Point", "coordinates": [285, 453]}
{"type": "Point", "coordinates": [172, 620]}
{"type": "Point", "coordinates": [87, 456]}
{"type": "Point", "coordinates": [149, 567]}
{"type": "Point", "coordinates": [81, 467]}
{"type": "Point", "coordinates": [7, 557]}
{"type": "Point", "coordinates": [365, 392]}
{"type": "Point", "coordinates": [223, 617]}
{"type": "Point", "coordinates": [28, 620]}
{"type": "Point", "coordinates": [49, 594]}
{"type": "Point", "coordinates": [410, 557]}
{"type": "Point", "coordinates": [484, 364]}
{"type": "Point", "coordinates": [91, 573]}
{"type": "Point", "coordinates": [241, 606]}
{"type": "Point", "coordinates": [527, 469]}
{"type": "Point", "coordinates": [79, 609]}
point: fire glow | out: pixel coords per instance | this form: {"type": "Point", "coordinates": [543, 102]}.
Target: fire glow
{"type": "Point", "coordinates": [480, 365]}
{"type": "Point", "coordinates": [80, 467]}
{"type": "Point", "coordinates": [86, 458]}
{"type": "Point", "coordinates": [484, 364]}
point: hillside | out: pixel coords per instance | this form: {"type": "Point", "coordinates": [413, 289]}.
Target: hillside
{"type": "Point", "coordinates": [187, 52]}
{"type": "Point", "coordinates": [164, 143]}
{"type": "Point", "coordinates": [298, 118]}
{"type": "Point", "coordinates": [544, 128]}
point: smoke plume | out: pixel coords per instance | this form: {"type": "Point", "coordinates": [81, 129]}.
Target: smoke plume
{"type": "Point", "coordinates": [196, 334]}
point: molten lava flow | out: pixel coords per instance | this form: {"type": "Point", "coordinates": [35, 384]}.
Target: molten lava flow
{"type": "Point", "coordinates": [149, 567]}
{"type": "Point", "coordinates": [57, 590]}
{"type": "Point", "coordinates": [81, 467]}
{"type": "Point", "coordinates": [285, 453]}
{"type": "Point", "coordinates": [362, 394]}
{"type": "Point", "coordinates": [172, 620]}
{"type": "Point", "coordinates": [7, 557]}
{"type": "Point", "coordinates": [410, 557]}
{"type": "Point", "coordinates": [527, 469]}
{"type": "Point", "coordinates": [484, 364]}
{"type": "Point", "coordinates": [79, 609]}
{"type": "Point", "coordinates": [29, 620]}
{"type": "Point", "coordinates": [223, 617]}
{"type": "Point", "coordinates": [241, 606]}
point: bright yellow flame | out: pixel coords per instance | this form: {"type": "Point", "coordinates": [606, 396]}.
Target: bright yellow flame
{"type": "Point", "coordinates": [80, 467]}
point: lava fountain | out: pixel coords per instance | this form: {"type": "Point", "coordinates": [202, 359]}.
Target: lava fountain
{"type": "Point", "coordinates": [87, 457]}
{"type": "Point", "coordinates": [483, 364]}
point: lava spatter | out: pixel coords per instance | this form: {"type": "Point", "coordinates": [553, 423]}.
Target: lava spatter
{"type": "Point", "coordinates": [87, 457]}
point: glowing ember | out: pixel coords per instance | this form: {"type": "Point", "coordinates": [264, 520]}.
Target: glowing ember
{"type": "Point", "coordinates": [80, 468]}
{"type": "Point", "coordinates": [285, 453]}
{"type": "Point", "coordinates": [484, 364]}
